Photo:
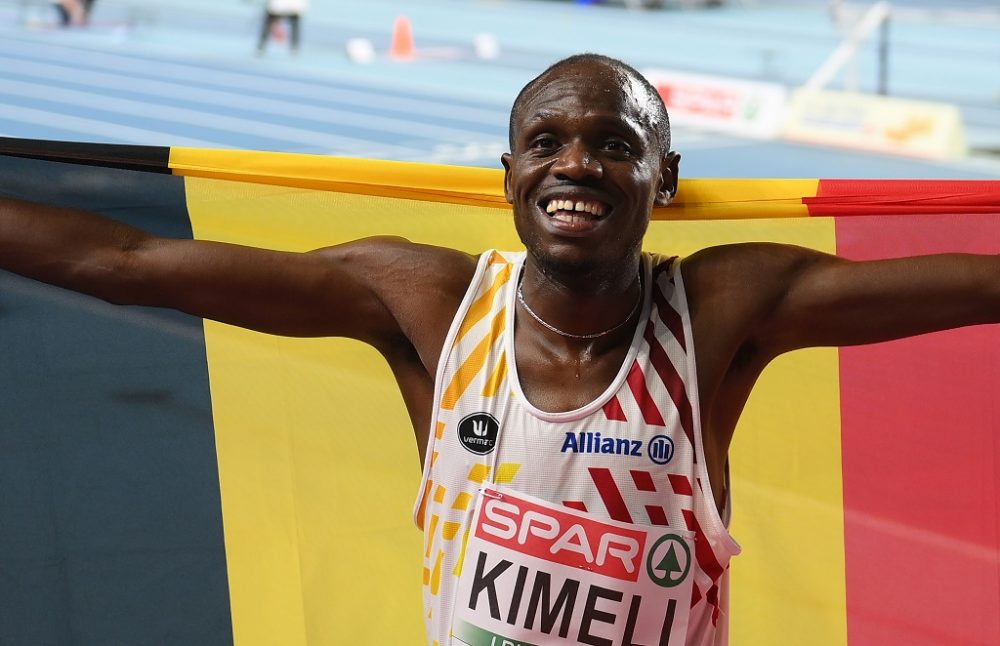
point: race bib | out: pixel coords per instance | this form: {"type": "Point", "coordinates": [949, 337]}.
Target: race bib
{"type": "Point", "coordinates": [537, 574]}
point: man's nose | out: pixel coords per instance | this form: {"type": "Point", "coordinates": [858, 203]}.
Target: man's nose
{"type": "Point", "coordinates": [575, 162]}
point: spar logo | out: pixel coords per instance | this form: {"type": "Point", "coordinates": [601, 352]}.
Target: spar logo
{"type": "Point", "coordinates": [669, 561]}
{"type": "Point", "coordinates": [552, 535]}
{"type": "Point", "coordinates": [540, 574]}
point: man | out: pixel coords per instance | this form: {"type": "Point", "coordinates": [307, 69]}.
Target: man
{"type": "Point", "coordinates": [275, 10]}
{"type": "Point", "coordinates": [74, 12]}
{"type": "Point", "coordinates": [541, 375]}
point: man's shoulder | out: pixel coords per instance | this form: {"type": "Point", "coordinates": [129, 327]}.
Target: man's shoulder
{"type": "Point", "coordinates": [723, 256]}
{"type": "Point", "coordinates": [399, 270]}
{"type": "Point", "coordinates": [759, 257]}
{"type": "Point", "coordinates": [404, 255]}
{"type": "Point", "coordinates": [748, 271]}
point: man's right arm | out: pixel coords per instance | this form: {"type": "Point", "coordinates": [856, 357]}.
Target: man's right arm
{"type": "Point", "coordinates": [355, 290]}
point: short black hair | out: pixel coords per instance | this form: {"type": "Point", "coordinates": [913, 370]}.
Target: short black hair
{"type": "Point", "coordinates": [658, 122]}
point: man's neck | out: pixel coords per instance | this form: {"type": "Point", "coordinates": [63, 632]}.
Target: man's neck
{"type": "Point", "coordinates": [581, 304]}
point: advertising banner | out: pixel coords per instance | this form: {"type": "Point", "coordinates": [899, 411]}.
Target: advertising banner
{"type": "Point", "coordinates": [876, 123]}
{"type": "Point", "coordinates": [745, 108]}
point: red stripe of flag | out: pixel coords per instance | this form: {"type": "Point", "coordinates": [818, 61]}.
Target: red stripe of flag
{"type": "Point", "coordinates": [903, 197]}
{"type": "Point", "coordinates": [921, 475]}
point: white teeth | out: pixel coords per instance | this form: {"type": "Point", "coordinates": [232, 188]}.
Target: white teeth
{"type": "Point", "coordinates": [595, 208]}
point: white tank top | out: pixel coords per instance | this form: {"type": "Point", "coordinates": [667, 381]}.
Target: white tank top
{"type": "Point", "coordinates": [633, 455]}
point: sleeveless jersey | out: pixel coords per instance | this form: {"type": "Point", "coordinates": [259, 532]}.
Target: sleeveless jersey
{"type": "Point", "coordinates": [633, 455]}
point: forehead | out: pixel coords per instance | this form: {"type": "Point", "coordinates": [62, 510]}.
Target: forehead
{"type": "Point", "coordinates": [598, 91]}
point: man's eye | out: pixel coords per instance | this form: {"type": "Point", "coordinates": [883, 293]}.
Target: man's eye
{"type": "Point", "coordinates": [545, 143]}
{"type": "Point", "coordinates": [617, 146]}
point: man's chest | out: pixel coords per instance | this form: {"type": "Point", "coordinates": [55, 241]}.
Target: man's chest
{"type": "Point", "coordinates": [557, 381]}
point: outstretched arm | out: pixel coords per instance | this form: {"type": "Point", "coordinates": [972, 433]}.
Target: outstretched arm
{"type": "Point", "coordinates": [830, 301]}
{"type": "Point", "coordinates": [356, 290]}
{"type": "Point", "coordinates": [756, 301]}
{"type": "Point", "coordinates": [752, 302]}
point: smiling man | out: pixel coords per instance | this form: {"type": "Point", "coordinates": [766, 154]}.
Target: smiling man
{"type": "Point", "coordinates": [575, 485]}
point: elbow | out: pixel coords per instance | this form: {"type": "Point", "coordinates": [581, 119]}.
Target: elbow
{"type": "Point", "coordinates": [115, 277]}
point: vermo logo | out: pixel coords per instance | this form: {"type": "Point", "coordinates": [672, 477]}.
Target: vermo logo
{"type": "Point", "coordinates": [660, 449]}
{"type": "Point", "coordinates": [478, 433]}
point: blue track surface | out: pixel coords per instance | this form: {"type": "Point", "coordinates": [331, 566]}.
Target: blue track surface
{"type": "Point", "coordinates": [184, 73]}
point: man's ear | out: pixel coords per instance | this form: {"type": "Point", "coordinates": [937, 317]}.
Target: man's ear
{"type": "Point", "coordinates": [505, 159]}
{"type": "Point", "coordinates": [669, 170]}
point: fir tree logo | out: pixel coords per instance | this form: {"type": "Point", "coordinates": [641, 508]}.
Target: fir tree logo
{"type": "Point", "coordinates": [668, 562]}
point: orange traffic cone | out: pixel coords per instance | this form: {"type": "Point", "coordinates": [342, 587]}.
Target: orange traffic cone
{"type": "Point", "coordinates": [402, 48]}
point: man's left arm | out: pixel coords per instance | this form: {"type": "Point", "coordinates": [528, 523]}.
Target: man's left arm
{"type": "Point", "coordinates": [830, 301]}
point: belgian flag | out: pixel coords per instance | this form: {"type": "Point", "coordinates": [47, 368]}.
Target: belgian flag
{"type": "Point", "coordinates": [169, 480]}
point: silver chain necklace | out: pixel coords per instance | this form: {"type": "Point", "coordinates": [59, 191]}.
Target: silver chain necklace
{"type": "Point", "coordinates": [570, 335]}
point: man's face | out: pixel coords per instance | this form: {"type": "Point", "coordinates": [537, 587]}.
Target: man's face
{"type": "Point", "coordinates": [586, 169]}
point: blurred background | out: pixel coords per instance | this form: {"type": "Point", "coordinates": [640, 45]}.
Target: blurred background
{"type": "Point", "coordinates": [756, 88]}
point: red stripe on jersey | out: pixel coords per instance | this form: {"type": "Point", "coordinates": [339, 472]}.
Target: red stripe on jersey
{"type": "Point", "coordinates": [695, 595]}
{"type": "Point", "coordinates": [613, 410]}
{"type": "Point", "coordinates": [713, 598]}
{"type": "Point", "coordinates": [680, 484]}
{"type": "Point", "coordinates": [670, 317]}
{"type": "Point", "coordinates": [637, 383]}
{"type": "Point", "coordinates": [612, 497]}
{"type": "Point", "coordinates": [663, 268]}
{"type": "Point", "coordinates": [657, 515]}
{"type": "Point", "coordinates": [643, 481]}
{"type": "Point", "coordinates": [702, 550]}
{"type": "Point", "coordinates": [575, 504]}
{"type": "Point", "coordinates": [673, 383]}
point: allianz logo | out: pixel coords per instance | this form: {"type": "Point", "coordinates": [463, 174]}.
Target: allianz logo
{"type": "Point", "coordinates": [659, 449]}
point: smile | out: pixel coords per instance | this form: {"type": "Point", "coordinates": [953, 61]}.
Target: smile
{"type": "Point", "coordinates": [575, 217]}
{"type": "Point", "coordinates": [570, 208]}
